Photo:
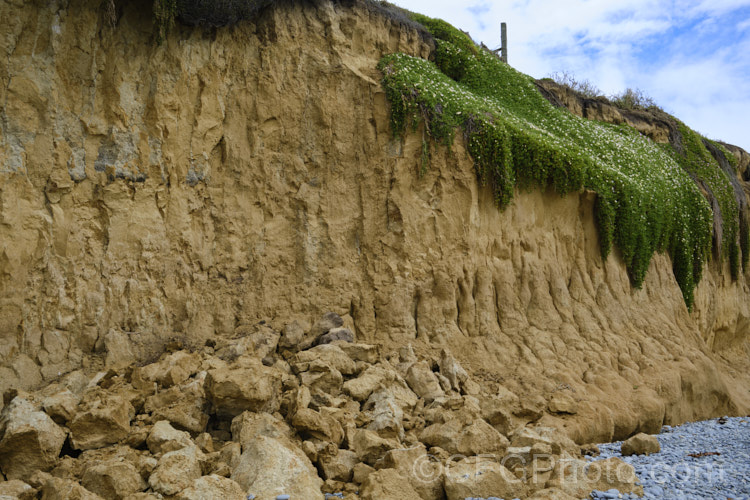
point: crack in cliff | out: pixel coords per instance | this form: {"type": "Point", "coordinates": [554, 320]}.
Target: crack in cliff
{"type": "Point", "coordinates": [415, 313]}
{"type": "Point", "coordinates": [496, 305]}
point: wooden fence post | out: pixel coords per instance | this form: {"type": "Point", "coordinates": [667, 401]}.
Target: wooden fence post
{"type": "Point", "coordinates": [503, 43]}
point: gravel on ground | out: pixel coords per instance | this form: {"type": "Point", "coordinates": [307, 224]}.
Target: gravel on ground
{"type": "Point", "coordinates": [697, 461]}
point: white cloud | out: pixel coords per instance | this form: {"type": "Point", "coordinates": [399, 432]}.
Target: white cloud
{"type": "Point", "coordinates": [711, 7]}
{"type": "Point", "coordinates": [718, 122]}
{"type": "Point", "coordinates": [699, 83]}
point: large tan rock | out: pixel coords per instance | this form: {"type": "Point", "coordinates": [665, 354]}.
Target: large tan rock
{"type": "Point", "coordinates": [176, 471]}
{"type": "Point", "coordinates": [360, 472]}
{"type": "Point", "coordinates": [423, 381]}
{"type": "Point", "coordinates": [551, 494]}
{"type": "Point", "coordinates": [142, 460]}
{"type": "Point", "coordinates": [164, 438]}
{"type": "Point", "coordinates": [144, 496]}
{"type": "Point", "coordinates": [320, 376]}
{"type": "Point", "coordinates": [498, 415]}
{"type": "Point", "coordinates": [388, 391]}
{"type": "Point", "coordinates": [102, 419]}
{"type": "Point", "coordinates": [256, 340]}
{"type": "Point", "coordinates": [212, 487]}
{"type": "Point", "coordinates": [387, 484]}
{"type": "Point", "coordinates": [318, 425]}
{"type": "Point", "coordinates": [270, 467]}
{"type": "Point", "coordinates": [369, 446]}
{"type": "Point", "coordinates": [557, 442]}
{"type": "Point", "coordinates": [15, 488]}
{"type": "Point", "coordinates": [139, 432]}
{"type": "Point", "coordinates": [61, 406]}
{"type": "Point", "coordinates": [121, 350]}
{"type": "Point", "coordinates": [424, 471]}
{"type": "Point", "coordinates": [333, 355]}
{"type": "Point", "coordinates": [562, 402]}
{"type": "Point", "coordinates": [339, 466]}
{"type": "Point", "coordinates": [386, 414]}
{"type": "Point", "coordinates": [173, 369]}
{"type": "Point", "coordinates": [115, 479]}
{"type": "Point", "coordinates": [366, 353]}
{"type": "Point", "coordinates": [481, 477]}
{"type": "Point", "coordinates": [326, 323]}
{"type": "Point", "coordinates": [338, 335]}
{"type": "Point", "coordinates": [293, 334]}
{"type": "Point", "coordinates": [248, 387]}
{"type": "Point", "coordinates": [476, 438]}
{"type": "Point", "coordinates": [640, 444]}
{"type": "Point", "coordinates": [451, 369]}
{"type": "Point", "coordinates": [367, 382]}
{"type": "Point", "coordinates": [230, 455]}
{"type": "Point", "coordinates": [56, 488]}
{"type": "Point", "coordinates": [248, 426]}
{"type": "Point", "coordinates": [31, 441]}
{"type": "Point", "coordinates": [185, 406]}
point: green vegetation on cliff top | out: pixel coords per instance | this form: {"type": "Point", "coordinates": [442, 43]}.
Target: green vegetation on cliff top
{"type": "Point", "coordinates": [202, 12]}
{"type": "Point", "coordinates": [646, 200]}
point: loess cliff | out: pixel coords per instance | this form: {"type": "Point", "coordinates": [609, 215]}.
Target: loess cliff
{"type": "Point", "coordinates": [154, 195]}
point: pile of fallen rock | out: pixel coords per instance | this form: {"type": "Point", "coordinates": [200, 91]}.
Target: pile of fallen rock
{"type": "Point", "coordinates": [301, 412]}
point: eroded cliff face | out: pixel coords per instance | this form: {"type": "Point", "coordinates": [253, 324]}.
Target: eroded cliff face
{"type": "Point", "coordinates": [187, 190]}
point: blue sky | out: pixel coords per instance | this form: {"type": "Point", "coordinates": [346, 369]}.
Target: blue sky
{"type": "Point", "coordinates": [691, 56]}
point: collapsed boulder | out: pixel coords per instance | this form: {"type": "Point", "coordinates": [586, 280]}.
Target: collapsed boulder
{"type": "Point", "coordinates": [15, 488]}
{"type": "Point", "coordinates": [269, 467]}
{"type": "Point", "coordinates": [185, 405]}
{"type": "Point", "coordinates": [475, 438]}
{"type": "Point", "coordinates": [250, 386]}
{"type": "Point", "coordinates": [482, 477]}
{"type": "Point", "coordinates": [164, 438]}
{"type": "Point", "coordinates": [212, 487]}
{"type": "Point", "coordinates": [387, 483]}
{"type": "Point", "coordinates": [423, 381]}
{"type": "Point", "coordinates": [421, 469]}
{"type": "Point", "coordinates": [176, 471]}
{"type": "Point", "coordinates": [103, 418]}
{"type": "Point", "coordinates": [339, 466]}
{"type": "Point", "coordinates": [115, 479]}
{"type": "Point", "coordinates": [31, 440]}
{"type": "Point", "coordinates": [55, 488]}
{"type": "Point", "coordinates": [640, 444]}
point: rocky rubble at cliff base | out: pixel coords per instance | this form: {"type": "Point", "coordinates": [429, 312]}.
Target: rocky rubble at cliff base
{"type": "Point", "coordinates": [302, 412]}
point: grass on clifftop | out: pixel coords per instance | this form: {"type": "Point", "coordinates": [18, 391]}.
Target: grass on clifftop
{"type": "Point", "coordinates": [202, 12]}
{"type": "Point", "coordinates": [646, 199]}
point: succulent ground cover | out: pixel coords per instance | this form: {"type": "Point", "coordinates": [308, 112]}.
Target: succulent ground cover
{"type": "Point", "coordinates": [648, 199]}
